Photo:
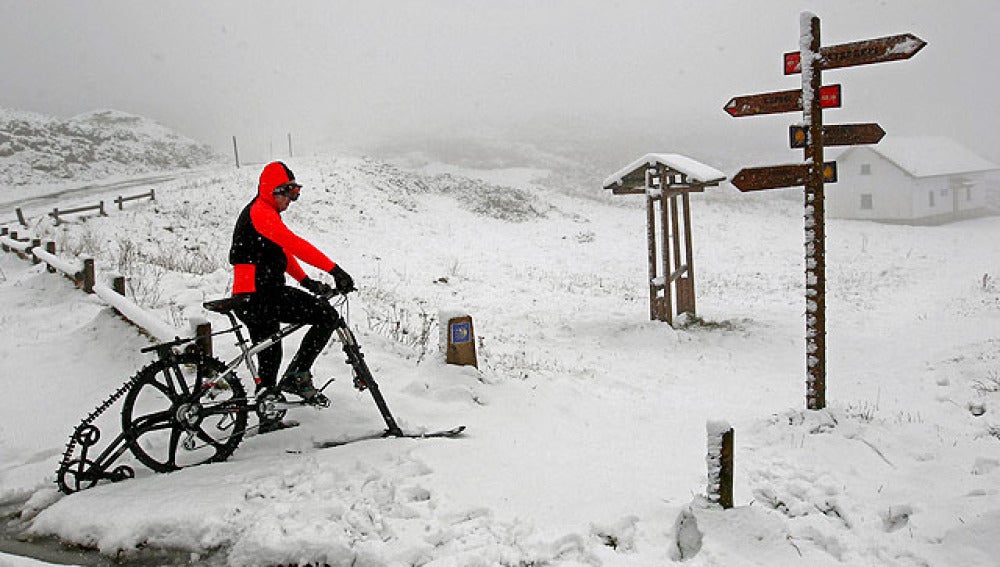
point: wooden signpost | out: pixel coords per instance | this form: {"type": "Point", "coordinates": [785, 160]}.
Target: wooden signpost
{"type": "Point", "coordinates": [775, 176]}
{"type": "Point", "coordinates": [812, 136]}
{"type": "Point", "coordinates": [881, 50]}
{"type": "Point", "coordinates": [838, 135]}
{"type": "Point", "coordinates": [779, 102]}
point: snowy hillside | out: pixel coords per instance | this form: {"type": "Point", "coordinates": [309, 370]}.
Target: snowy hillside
{"type": "Point", "coordinates": [37, 149]}
{"type": "Point", "coordinates": [586, 438]}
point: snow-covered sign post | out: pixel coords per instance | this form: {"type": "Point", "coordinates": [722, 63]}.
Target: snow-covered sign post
{"type": "Point", "coordinates": [812, 135]}
{"type": "Point", "coordinates": [720, 463]}
{"type": "Point", "coordinates": [662, 178]}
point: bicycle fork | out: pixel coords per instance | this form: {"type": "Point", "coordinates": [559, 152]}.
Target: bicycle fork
{"type": "Point", "coordinates": [363, 377]}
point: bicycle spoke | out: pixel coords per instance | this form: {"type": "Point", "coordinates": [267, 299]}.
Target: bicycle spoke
{"type": "Point", "coordinates": [152, 422]}
{"type": "Point", "coordinates": [182, 390]}
{"type": "Point", "coordinates": [175, 437]}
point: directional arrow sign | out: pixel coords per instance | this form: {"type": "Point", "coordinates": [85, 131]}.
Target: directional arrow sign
{"type": "Point", "coordinates": [838, 135]}
{"type": "Point", "coordinates": [883, 49]}
{"type": "Point", "coordinates": [775, 176]}
{"type": "Point", "coordinates": [778, 102]}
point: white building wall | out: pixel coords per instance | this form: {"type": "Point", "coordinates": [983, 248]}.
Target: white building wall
{"type": "Point", "coordinates": [895, 194]}
{"type": "Point", "coordinates": [972, 191]}
{"type": "Point", "coordinates": [952, 195]}
{"type": "Point", "coordinates": [889, 187]}
{"type": "Point", "coordinates": [931, 197]}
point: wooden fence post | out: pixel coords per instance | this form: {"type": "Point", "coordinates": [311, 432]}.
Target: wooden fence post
{"type": "Point", "coordinates": [3, 232]}
{"type": "Point", "coordinates": [152, 194]}
{"type": "Point", "coordinates": [720, 463]}
{"type": "Point", "coordinates": [118, 284]}
{"type": "Point", "coordinates": [20, 217]}
{"type": "Point", "coordinates": [50, 247]}
{"type": "Point", "coordinates": [88, 275]}
{"type": "Point", "coordinates": [203, 338]}
{"type": "Point", "coordinates": [35, 243]}
{"type": "Point", "coordinates": [14, 237]}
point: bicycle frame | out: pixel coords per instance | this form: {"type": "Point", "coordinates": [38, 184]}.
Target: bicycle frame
{"type": "Point", "coordinates": [247, 353]}
{"type": "Point", "coordinates": [350, 346]}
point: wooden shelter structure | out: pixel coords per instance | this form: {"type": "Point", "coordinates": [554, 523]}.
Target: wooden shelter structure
{"type": "Point", "coordinates": [667, 181]}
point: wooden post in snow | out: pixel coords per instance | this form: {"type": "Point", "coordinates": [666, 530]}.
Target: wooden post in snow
{"type": "Point", "coordinates": [88, 275]}
{"type": "Point", "coordinates": [50, 247]}
{"type": "Point", "coordinates": [203, 337]}
{"type": "Point", "coordinates": [118, 284]}
{"type": "Point", "coordinates": [720, 463]}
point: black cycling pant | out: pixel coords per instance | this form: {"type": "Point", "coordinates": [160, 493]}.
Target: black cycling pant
{"type": "Point", "coordinates": [263, 316]}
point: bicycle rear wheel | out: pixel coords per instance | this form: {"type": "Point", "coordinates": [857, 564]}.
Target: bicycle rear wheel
{"type": "Point", "coordinates": [184, 414]}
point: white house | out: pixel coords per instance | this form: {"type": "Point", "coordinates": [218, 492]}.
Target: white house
{"type": "Point", "coordinates": [919, 180]}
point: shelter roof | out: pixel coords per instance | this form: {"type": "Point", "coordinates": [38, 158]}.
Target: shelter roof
{"type": "Point", "coordinates": [635, 172]}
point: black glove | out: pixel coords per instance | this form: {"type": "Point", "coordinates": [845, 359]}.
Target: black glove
{"type": "Point", "coordinates": [315, 286]}
{"type": "Point", "coordinates": [344, 281]}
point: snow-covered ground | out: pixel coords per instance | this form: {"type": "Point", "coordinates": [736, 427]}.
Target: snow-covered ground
{"type": "Point", "coordinates": [586, 440]}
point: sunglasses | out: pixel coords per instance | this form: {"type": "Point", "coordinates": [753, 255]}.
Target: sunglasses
{"type": "Point", "coordinates": [290, 190]}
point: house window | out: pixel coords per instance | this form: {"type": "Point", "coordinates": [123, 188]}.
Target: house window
{"type": "Point", "coordinates": [866, 169]}
{"type": "Point", "coordinates": [931, 195]}
{"type": "Point", "coordinates": [866, 201]}
{"type": "Point", "coordinates": [968, 193]}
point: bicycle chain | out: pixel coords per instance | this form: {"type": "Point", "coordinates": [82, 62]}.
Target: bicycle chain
{"type": "Point", "coordinates": [87, 421]}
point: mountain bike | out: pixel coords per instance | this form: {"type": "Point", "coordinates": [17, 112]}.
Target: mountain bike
{"type": "Point", "coordinates": [188, 408]}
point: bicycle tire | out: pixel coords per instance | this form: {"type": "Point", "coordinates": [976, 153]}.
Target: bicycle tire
{"type": "Point", "coordinates": [208, 410]}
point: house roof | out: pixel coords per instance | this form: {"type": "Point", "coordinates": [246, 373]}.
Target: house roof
{"type": "Point", "coordinates": [930, 156]}
{"type": "Point", "coordinates": [696, 171]}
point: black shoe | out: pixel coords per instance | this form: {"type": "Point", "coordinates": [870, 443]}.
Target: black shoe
{"type": "Point", "coordinates": [300, 384]}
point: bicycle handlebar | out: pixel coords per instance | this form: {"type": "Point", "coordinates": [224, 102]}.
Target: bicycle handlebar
{"type": "Point", "coordinates": [335, 292]}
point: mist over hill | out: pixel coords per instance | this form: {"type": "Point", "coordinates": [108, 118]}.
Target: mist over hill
{"type": "Point", "coordinates": [36, 148]}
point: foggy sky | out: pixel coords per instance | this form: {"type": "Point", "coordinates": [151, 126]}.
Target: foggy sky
{"type": "Point", "coordinates": [653, 72]}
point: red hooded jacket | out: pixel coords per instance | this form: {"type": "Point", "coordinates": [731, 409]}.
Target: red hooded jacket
{"type": "Point", "coordinates": [264, 249]}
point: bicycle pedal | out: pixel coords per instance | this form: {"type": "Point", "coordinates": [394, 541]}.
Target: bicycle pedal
{"type": "Point", "coordinates": [318, 401]}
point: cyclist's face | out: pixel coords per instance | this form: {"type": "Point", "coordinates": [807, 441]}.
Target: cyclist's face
{"type": "Point", "coordinates": [282, 202]}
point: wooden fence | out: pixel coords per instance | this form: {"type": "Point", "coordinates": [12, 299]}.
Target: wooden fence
{"type": "Point", "coordinates": [81, 271]}
{"type": "Point", "coordinates": [57, 213]}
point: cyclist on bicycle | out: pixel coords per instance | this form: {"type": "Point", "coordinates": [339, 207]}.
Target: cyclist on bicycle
{"type": "Point", "coordinates": [263, 251]}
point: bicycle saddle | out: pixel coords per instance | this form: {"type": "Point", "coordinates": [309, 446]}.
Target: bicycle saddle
{"type": "Point", "coordinates": [227, 304]}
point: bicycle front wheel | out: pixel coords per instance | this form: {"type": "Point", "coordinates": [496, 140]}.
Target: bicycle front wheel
{"type": "Point", "coordinates": [184, 414]}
